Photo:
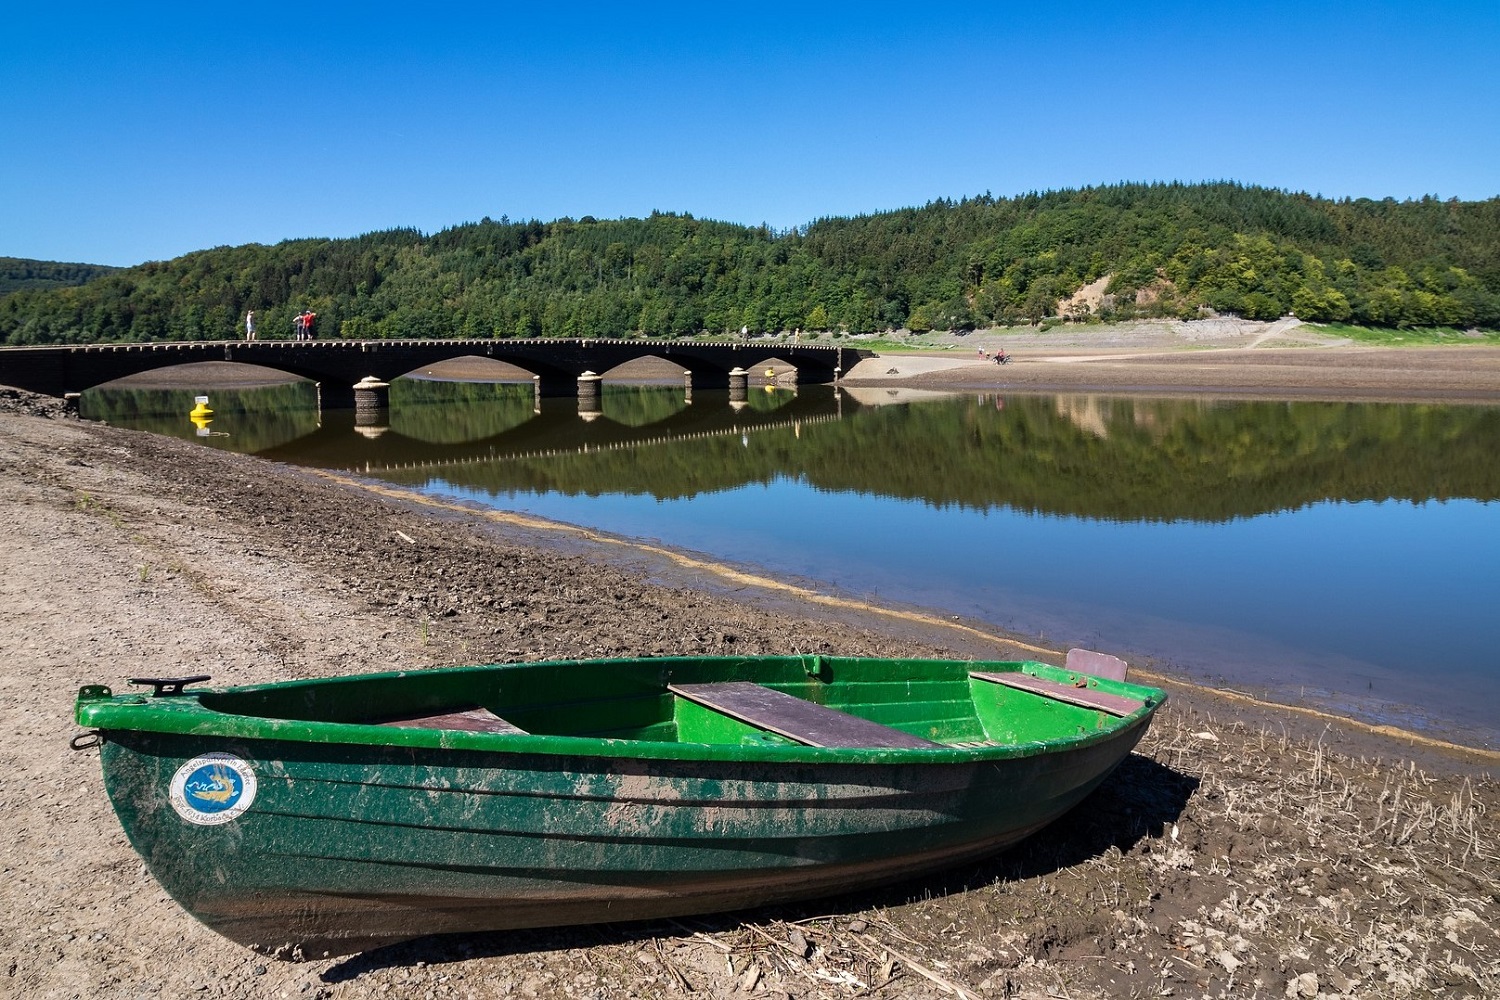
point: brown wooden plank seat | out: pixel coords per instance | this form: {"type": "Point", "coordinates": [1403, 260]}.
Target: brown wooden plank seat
{"type": "Point", "coordinates": [1114, 704]}
{"type": "Point", "coordinates": [476, 719]}
{"type": "Point", "coordinates": [803, 721]}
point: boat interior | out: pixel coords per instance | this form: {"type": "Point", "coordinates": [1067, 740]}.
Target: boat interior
{"type": "Point", "coordinates": [815, 701]}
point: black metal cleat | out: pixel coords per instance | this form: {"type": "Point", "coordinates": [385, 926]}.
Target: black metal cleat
{"type": "Point", "coordinates": [165, 686]}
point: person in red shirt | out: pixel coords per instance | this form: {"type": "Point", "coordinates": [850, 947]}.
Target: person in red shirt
{"type": "Point", "coordinates": [307, 324]}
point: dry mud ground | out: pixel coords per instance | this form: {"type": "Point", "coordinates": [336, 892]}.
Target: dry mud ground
{"type": "Point", "coordinates": [1240, 852]}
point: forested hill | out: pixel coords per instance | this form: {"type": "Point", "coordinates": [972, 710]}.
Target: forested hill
{"type": "Point", "coordinates": [17, 273]}
{"type": "Point", "coordinates": [1159, 249]}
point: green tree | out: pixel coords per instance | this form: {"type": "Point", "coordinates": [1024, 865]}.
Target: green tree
{"type": "Point", "coordinates": [817, 319]}
{"type": "Point", "coordinates": [921, 319]}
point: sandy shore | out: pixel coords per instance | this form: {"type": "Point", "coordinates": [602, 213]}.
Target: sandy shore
{"type": "Point", "coordinates": [1439, 374]}
{"type": "Point", "coordinates": [1241, 852]}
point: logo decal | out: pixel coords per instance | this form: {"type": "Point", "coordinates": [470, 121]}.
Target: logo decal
{"type": "Point", "coordinates": [213, 789]}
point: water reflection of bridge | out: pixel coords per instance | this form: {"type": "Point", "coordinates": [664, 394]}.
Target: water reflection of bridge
{"type": "Point", "coordinates": [558, 430]}
{"type": "Point", "coordinates": [500, 455]}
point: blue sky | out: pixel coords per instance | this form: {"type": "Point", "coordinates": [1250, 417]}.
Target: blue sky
{"type": "Point", "coordinates": [141, 132]}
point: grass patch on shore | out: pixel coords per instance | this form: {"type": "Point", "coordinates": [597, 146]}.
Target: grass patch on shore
{"type": "Point", "coordinates": [90, 504]}
{"type": "Point", "coordinates": [1422, 336]}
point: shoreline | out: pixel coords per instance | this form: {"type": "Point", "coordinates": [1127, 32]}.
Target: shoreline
{"type": "Point", "coordinates": [934, 625]}
{"type": "Point", "coordinates": [1458, 375]}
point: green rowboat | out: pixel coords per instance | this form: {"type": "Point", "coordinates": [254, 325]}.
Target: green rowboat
{"type": "Point", "coordinates": [323, 817]}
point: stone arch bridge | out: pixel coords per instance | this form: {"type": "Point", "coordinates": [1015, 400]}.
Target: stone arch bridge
{"type": "Point", "coordinates": [337, 365]}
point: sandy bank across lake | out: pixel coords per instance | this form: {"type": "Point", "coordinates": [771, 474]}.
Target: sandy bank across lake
{"type": "Point", "coordinates": [1438, 374]}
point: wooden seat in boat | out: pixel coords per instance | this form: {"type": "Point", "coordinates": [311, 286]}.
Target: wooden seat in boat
{"type": "Point", "coordinates": [1087, 661]}
{"type": "Point", "coordinates": [1114, 704]}
{"type": "Point", "coordinates": [803, 721]}
{"type": "Point", "coordinates": [476, 719]}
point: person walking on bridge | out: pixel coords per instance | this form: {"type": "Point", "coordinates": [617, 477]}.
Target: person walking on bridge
{"type": "Point", "coordinates": [250, 325]}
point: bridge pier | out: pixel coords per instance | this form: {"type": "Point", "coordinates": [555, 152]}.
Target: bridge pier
{"type": "Point", "coordinates": [371, 394]}
{"type": "Point", "coordinates": [372, 406]}
{"type": "Point", "coordinates": [739, 388]}
{"type": "Point", "coordinates": [589, 406]}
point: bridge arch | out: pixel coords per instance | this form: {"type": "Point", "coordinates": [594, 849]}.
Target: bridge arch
{"type": "Point", "coordinates": [472, 368]}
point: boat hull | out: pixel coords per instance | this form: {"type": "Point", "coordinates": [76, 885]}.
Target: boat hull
{"type": "Point", "coordinates": [348, 847]}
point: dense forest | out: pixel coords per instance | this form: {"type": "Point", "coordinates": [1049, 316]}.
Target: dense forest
{"type": "Point", "coordinates": [17, 273]}
{"type": "Point", "coordinates": [1159, 249]}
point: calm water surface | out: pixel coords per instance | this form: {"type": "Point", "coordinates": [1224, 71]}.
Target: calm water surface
{"type": "Point", "coordinates": [1342, 555]}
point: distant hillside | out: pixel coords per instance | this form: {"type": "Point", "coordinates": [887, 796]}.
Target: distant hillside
{"type": "Point", "coordinates": [17, 273]}
{"type": "Point", "coordinates": [1158, 249]}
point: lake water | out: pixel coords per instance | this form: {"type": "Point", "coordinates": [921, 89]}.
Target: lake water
{"type": "Point", "coordinates": [1337, 554]}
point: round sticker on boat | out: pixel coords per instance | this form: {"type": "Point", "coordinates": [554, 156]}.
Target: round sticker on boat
{"type": "Point", "coordinates": [213, 789]}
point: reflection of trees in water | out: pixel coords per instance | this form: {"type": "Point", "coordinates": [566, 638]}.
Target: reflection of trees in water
{"type": "Point", "coordinates": [1089, 456]}
{"type": "Point", "coordinates": [640, 405]}
{"type": "Point", "coordinates": [644, 405]}
{"type": "Point", "coordinates": [440, 412]}
{"type": "Point", "coordinates": [455, 412]}
{"type": "Point", "coordinates": [254, 419]}
{"type": "Point", "coordinates": [1098, 457]}
{"type": "Point", "coordinates": [1133, 459]}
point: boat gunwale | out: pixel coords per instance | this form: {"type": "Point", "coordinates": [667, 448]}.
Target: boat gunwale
{"type": "Point", "coordinates": [185, 714]}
